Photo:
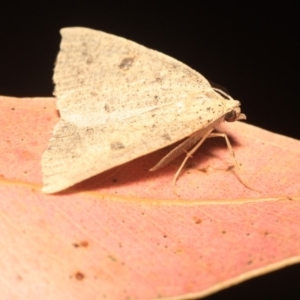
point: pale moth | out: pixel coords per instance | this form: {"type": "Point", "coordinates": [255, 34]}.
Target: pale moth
{"type": "Point", "coordinates": [118, 101]}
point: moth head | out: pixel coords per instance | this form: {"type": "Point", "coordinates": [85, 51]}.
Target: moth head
{"type": "Point", "coordinates": [234, 115]}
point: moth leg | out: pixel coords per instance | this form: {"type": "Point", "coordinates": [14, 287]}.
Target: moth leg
{"type": "Point", "coordinates": [190, 153]}
{"type": "Point", "coordinates": [182, 148]}
{"type": "Point", "coordinates": [236, 165]}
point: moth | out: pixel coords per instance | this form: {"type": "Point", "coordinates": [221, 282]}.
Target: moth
{"type": "Point", "coordinates": [119, 100]}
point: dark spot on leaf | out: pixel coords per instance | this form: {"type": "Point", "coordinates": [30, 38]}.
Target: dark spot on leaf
{"type": "Point", "coordinates": [203, 170]}
{"type": "Point", "coordinates": [79, 276]}
{"type": "Point", "coordinates": [229, 168]}
{"type": "Point", "coordinates": [197, 220]}
{"type": "Point", "coordinates": [112, 258]}
{"type": "Point", "coordinates": [83, 244]}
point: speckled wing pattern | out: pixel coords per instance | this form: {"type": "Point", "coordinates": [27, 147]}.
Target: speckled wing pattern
{"type": "Point", "coordinates": [119, 100]}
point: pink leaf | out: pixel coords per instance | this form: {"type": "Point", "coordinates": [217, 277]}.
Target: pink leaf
{"type": "Point", "coordinates": [124, 234]}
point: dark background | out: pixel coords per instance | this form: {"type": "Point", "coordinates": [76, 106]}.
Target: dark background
{"type": "Point", "coordinates": [251, 49]}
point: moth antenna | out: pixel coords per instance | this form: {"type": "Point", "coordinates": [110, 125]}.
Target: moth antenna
{"type": "Point", "coordinates": [223, 93]}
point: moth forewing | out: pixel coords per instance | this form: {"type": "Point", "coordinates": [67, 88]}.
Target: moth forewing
{"type": "Point", "coordinates": [228, 107]}
{"type": "Point", "coordinates": [118, 101]}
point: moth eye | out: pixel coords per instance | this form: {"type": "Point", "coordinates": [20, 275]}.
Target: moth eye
{"type": "Point", "coordinates": [231, 116]}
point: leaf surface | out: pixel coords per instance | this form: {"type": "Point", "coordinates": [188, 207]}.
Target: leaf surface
{"type": "Point", "coordinates": [124, 234]}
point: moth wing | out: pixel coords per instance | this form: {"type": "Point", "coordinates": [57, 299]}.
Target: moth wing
{"type": "Point", "coordinates": [119, 100]}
